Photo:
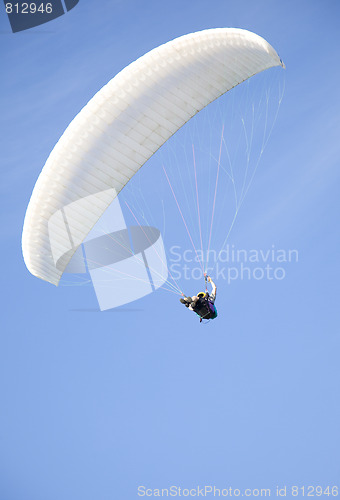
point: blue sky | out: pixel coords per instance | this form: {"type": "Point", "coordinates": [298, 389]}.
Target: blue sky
{"type": "Point", "coordinates": [95, 404]}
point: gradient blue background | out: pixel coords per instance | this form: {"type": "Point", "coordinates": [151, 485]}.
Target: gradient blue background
{"type": "Point", "coordinates": [94, 404]}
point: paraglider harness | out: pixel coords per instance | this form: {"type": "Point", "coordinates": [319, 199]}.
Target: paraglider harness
{"type": "Point", "coordinates": [205, 307]}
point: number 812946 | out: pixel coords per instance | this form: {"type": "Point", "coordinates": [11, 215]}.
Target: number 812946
{"type": "Point", "coordinates": [314, 491]}
{"type": "Point", "coordinates": [29, 8]}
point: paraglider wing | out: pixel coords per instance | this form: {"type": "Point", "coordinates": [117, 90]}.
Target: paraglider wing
{"type": "Point", "coordinates": [121, 127]}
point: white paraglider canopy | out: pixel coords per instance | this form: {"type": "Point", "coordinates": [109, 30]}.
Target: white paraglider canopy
{"type": "Point", "coordinates": [121, 127]}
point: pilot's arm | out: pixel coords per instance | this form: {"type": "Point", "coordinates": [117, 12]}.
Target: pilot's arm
{"type": "Point", "coordinates": [213, 293]}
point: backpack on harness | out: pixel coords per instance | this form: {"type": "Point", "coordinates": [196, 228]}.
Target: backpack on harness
{"type": "Point", "coordinates": [205, 309]}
